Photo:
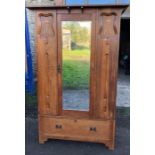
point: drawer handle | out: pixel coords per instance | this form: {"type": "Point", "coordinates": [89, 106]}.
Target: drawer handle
{"type": "Point", "coordinates": [58, 126]}
{"type": "Point", "coordinates": [93, 129]}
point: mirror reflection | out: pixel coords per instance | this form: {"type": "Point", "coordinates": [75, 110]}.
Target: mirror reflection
{"type": "Point", "coordinates": [76, 39]}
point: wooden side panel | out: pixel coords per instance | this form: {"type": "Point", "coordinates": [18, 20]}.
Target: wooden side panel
{"type": "Point", "coordinates": [107, 51]}
{"type": "Point", "coordinates": [47, 61]}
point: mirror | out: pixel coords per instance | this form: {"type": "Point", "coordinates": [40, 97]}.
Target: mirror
{"type": "Point", "coordinates": [76, 42]}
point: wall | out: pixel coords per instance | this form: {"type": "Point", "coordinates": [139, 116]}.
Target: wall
{"type": "Point", "coordinates": [31, 22]}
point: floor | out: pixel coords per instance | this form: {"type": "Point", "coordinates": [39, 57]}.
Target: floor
{"type": "Point", "coordinates": [123, 90]}
{"type": "Point", "coordinates": [61, 147]}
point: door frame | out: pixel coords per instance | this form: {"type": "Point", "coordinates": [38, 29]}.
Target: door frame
{"type": "Point", "coordinates": [77, 16]}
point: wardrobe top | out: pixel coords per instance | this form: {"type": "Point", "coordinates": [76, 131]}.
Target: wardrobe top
{"type": "Point", "coordinates": [123, 6]}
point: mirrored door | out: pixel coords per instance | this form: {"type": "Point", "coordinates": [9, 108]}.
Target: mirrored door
{"type": "Point", "coordinates": [76, 51]}
{"type": "Point", "coordinates": [75, 59]}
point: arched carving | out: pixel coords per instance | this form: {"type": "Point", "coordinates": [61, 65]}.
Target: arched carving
{"type": "Point", "coordinates": [46, 29]}
{"type": "Point", "coordinates": [108, 24]}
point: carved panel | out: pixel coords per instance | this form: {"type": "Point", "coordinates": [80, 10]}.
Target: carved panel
{"type": "Point", "coordinates": [46, 29]}
{"type": "Point", "coordinates": [108, 24]}
{"type": "Point", "coordinates": [107, 31]}
{"type": "Point", "coordinates": [47, 56]}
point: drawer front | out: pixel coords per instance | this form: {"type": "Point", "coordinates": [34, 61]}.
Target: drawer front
{"type": "Point", "coordinates": [95, 130]}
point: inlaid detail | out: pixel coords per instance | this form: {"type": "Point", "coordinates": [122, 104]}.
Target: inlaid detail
{"type": "Point", "coordinates": [104, 87]}
{"type": "Point", "coordinates": [48, 81]}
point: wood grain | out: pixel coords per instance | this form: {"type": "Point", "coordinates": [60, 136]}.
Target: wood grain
{"type": "Point", "coordinates": [47, 61]}
{"type": "Point", "coordinates": [97, 125]}
{"type": "Point", "coordinates": [90, 130]}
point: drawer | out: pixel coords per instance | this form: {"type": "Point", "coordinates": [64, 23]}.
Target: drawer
{"type": "Point", "coordinates": [90, 129]}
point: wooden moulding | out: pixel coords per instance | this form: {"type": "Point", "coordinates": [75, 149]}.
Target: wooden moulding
{"type": "Point", "coordinates": [119, 6]}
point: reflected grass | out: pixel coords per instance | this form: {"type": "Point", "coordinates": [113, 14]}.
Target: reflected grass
{"type": "Point", "coordinates": [76, 69]}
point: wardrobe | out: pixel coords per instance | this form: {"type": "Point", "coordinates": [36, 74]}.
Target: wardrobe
{"type": "Point", "coordinates": [97, 123]}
